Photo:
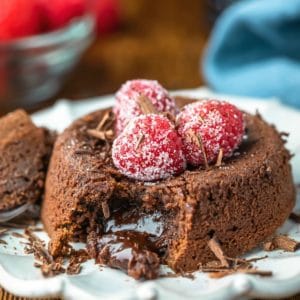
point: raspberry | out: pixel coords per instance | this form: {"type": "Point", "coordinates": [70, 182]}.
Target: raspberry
{"type": "Point", "coordinates": [149, 149]}
{"type": "Point", "coordinates": [108, 14]}
{"type": "Point", "coordinates": [58, 13]}
{"type": "Point", "coordinates": [209, 126]}
{"type": "Point", "coordinates": [127, 106]}
{"type": "Point", "coordinates": [18, 18]}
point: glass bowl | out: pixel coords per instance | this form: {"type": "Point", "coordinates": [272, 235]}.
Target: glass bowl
{"type": "Point", "coordinates": [33, 69]}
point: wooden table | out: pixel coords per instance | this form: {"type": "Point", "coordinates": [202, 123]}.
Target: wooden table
{"type": "Point", "coordinates": [161, 40]}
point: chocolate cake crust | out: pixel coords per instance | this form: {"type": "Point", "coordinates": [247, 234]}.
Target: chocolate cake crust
{"type": "Point", "coordinates": [24, 155]}
{"type": "Point", "coordinates": [241, 203]}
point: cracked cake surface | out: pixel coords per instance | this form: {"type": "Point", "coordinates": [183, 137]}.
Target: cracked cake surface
{"type": "Point", "coordinates": [134, 225]}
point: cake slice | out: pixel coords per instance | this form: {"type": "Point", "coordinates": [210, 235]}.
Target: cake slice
{"type": "Point", "coordinates": [24, 154]}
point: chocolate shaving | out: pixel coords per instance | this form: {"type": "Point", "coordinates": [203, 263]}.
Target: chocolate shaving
{"type": "Point", "coordinates": [170, 117]}
{"type": "Point", "coordinates": [3, 231]}
{"type": "Point", "coordinates": [101, 135]}
{"type": "Point", "coordinates": [104, 131]}
{"type": "Point", "coordinates": [78, 257]}
{"type": "Point", "coordinates": [139, 142]}
{"type": "Point", "coordinates": [44, 260]}
{"type": "Point", "coordinates": [227, 265]}
{"type": "Point", "coordinates": [105, 209]}
{"type": "Point", "coordinates": [246, 261]}
{"type": "Point", "coordinates": [146, 105]}
{"type": "Point", "coordinates": [73, 269]}
{"type": "Point", "coordinates": [197, 139]}
{"type": "Point", "coordinates": [283, 133]}
{"type": "Point", "coordinates": [35, 228]}
{"type": "Point", "coordinates": [215, 247]}
{"type": "Point", "coordinates": [295, 218]}
{"type": "Point", "coordinates": [18, 235]}
{"type": "Point", "coordinates": [3, 242]}
{"type": "Point", "coordinates": [281, 242]}
{"type": "Point", "coordinates": [106, 122]}
{"type": "Point", "coordinates": [219, 159]}
{"type": "Point", "coordinates": [220, 274]}
{"type": "Point", "coordinates": [83, 151]}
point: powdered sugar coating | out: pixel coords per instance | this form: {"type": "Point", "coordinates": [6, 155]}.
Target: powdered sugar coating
{"type": "Point", "coordinates": [219, 124]}
{"type": "Point", "coordinates": [149, 149]}
{"type": "Point", "coordinates": [127, 107]}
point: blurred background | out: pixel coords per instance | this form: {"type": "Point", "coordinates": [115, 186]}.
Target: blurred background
{"type": "Point", "coordinates": [78, 49]}
{"type": "Point", "coordinates": [160, 40]}
{"type": "Point", "coordinates": [151, 39]}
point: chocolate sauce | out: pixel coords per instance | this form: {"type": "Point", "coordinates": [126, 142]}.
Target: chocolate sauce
{"type": "Point", "coordinates": [132, 220]}
{"type": "Point", "coordinates": [131, 242]}
{"type": "Point", "coordinates": [123, 252]}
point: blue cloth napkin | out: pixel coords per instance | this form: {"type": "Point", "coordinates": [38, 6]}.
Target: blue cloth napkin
{"type": "Point", "coordinates": [254, 50]}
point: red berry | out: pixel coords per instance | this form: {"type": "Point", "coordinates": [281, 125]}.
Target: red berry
{"type": "Point", "coordinates": [127, 106]}
{"type": "Point", "coordinates": [107, 13]}
{"type": "Point", "coordinates": [149, 149]}
{"type": "Point", "coordinates": [58, 13]}
{"type": "Point", "coordinates": [18, 18]}
{"type": "Point", "coordinates": [213, 124]}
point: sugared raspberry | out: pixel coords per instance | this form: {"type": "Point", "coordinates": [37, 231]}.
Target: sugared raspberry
{"type": "Point", "coordinates": [208, 127]}
{"type": "Point", "coordinates": [127, 100]}
{"type": "Point", "coordinates": [149, 149]}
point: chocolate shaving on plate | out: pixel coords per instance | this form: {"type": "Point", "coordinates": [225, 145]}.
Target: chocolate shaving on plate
{"type": "Point", "coordinates": [18, 235]}
{"type": "Point", "coordinates": [281, 242]}
{"type": "Point", "coordinates": [295, 217]}
{"type": "Point", "coordinates": [77, 258]}
{"type": "Point", "coordinates": [48, 265]}
{"type": "Point", "coordinates": [3, 231]}
{"type": "Point", "coordinates": [227, 265]}
{"type": "Point", "coordinates": [220, 274]}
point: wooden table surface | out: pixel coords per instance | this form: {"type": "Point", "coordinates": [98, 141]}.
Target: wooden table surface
{"type": "Point", "coordinates": [160, 40]}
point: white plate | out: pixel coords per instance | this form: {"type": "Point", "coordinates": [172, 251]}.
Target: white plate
{"type": "Point", "coordinates": [18, 275]}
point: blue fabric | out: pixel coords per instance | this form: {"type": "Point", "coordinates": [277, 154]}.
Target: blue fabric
{"type": "Point", "coordinates": [254, 50]}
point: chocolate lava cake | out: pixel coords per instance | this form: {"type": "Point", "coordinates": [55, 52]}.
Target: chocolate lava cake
{"type": "Point", "coordinates": [136, 225]}
{"type": "Point", "coordinates": [24, 154]}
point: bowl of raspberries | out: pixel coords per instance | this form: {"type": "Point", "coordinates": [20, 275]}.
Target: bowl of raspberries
{"type": "Point", "coordinates": [40, 42]}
